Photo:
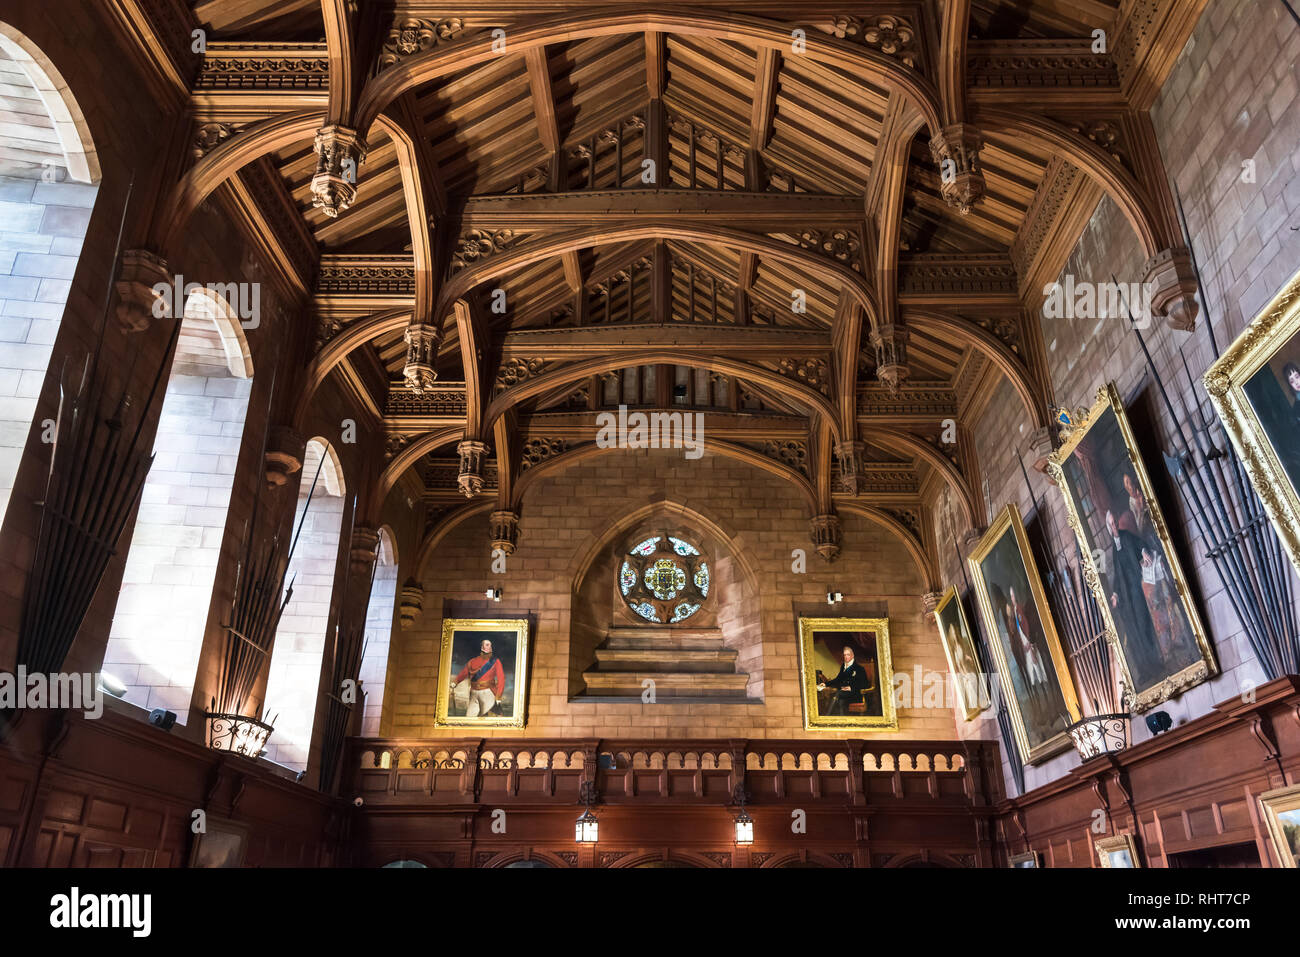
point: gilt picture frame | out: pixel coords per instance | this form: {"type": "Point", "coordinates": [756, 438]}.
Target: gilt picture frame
{"type": "Point", "coordinates": [1118, 851]}
{"type": "Point", "coordinates": [859, 694]}
{"type": "Point", "coordinates": [1129, 560]}
{"type": "Point", "coordinates": [1280, 808]}
{"type": "Point", "coordinates": [970, 684]}
{"type": "Point", "coordinates": [1033, 675]}
{"type": "Point", "coordinates": [483, 675]}
{"type": "Point", "coordinates": [1253, 389]}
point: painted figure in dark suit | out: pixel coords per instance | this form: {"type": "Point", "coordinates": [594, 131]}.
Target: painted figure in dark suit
{"type": "Point", "coordinates": [847, 686]}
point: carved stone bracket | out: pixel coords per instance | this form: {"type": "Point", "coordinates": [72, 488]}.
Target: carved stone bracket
{"type": "Point", "coordinates": [138, 301]}
{"type": "Point", "coordinates": [851, 456]}
{"type": "Point", "coordinates": [421, 351]}
{"type": "Point", "coordinates": [1174, 294]}
{"type": "Point", "coordinates": [930, 601]}
{"type": "Point", "coordinates": [284, 451]}
{"type": "Point", "coordinates": [208, 136]}
{"type": "Point", "coordinates": [339, 154]}
{"type": "Point", "coordinates": [1039, 446]}
{"type": "Point", "coordinates": [890, 344]}
{"type": "Point", "coordinates": [956, 151]}
{"type": "Point", "coordinates": [470, 478]}
{"type": "Point", "coordinates": [504, 526]}
{"type": "Point", "coordinates": [971, 537]}
{"type": "Point", "coordinates": [411, 603]}
{"type": "Point", "coordinates": [826, 535]}
{"type": "Point", "coordinates": [363, 550]}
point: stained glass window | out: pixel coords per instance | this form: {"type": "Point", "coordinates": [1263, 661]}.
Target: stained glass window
{"type": "Point", "coordinates": [664, 578]}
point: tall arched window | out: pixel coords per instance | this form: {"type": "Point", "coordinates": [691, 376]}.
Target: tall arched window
{"type": "Point", "coordinates": [162, 609]}
{"type": "Point", "coordinates": [51, 176]}
{"type": "Point", "coordinates": [294, 679]}
{"type": "Point", "coordinates": [379, 627]}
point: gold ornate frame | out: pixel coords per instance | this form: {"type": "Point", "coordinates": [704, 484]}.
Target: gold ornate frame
{"type": "Point", "coordinates": [1271, 803]}
{"type": "Point", "coordinates": [1015, 860]}
{"type": "Point", "coordinates": [1224, 381]}
{"type": "Point", "coordinates": [1142, 699]}
{"type": "Point", "coordinates": [452, 625]}
{"type": "Point", "coordinates": [950, 596]}
{"type": "Point", "coordinates": [1118, 842]}
{"type": "Point", "coordinates": [1009, 520]}
{"type": "Point", "coordinates": [887, 720]}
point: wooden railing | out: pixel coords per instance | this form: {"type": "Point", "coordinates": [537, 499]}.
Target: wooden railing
{"type": "Point", "coordinates": [457, 770]}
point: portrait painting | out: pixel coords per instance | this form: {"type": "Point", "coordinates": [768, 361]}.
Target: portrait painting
{"type": "Point", "coordinates": [222, 844]}
{"type": "Point", "coordinates": [1134, 571]}
{"type": "Point", "coordinates": [1255, 388]}
{"type": "Point", "coordinates": [969, 682]}
{"type": "Point", "coordinates": [845, 673]}
{"type": "Point", "coordinates": [1118, 851]}
{"type": "Point", "coordinates": [1034, 677]}
{"type": "Point", "coordinates": [1281, 810]}
{"type": "Point", "coordinates": [484, 675]}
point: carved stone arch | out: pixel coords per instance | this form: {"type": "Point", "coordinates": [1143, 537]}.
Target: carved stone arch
{"type": "Point", "coordinates": [924, 564]}
{"type": "Point", "coordinates": [1117, 182]}
{"type": "Point", "coordinates": [540, 384]}
{"type": "Point", "coordinates": [1012, 366]}
{"type": "Point", "coordinates": [464, 54]}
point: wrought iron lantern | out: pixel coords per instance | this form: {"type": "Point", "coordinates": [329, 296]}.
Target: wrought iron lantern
{"type": "Point", "coordinates": [1100, 734]}
{"type": "Point", "coordinates": [237, 733]}
{"type": "Point", "coordinates": [587, 828]}
{"type": "Point", "coordinates": [744, 823]}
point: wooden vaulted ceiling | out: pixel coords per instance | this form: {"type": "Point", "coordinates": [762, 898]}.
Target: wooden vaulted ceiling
{"type": "Point", "coordinates": [485, 135]}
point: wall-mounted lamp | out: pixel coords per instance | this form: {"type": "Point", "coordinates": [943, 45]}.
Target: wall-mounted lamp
{"type": "Point", "coordinates": [587, 828]}
{"type": "Point", "coordinates": [494, 593]}
{"type": "Point", "coordinates": [744, 823]}
{"type": "Point", "coordinates": [834, 597]}
{"type": "Point", "coordinates": [112, 685]}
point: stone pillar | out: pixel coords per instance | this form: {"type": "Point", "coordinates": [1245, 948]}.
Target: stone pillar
{"type": "Point", "coordinates": [1172, 280]}
{"type": "Point", "coordinates": [826, 533]}
{"type": "Point", "coordinates": [339, 153]}
{"type": "Point", "coordinates": [890, 344]}
{"type": "Point", "coordinates": [139, 300]}
{"type": "Point", "coordinates": [504, 525]}
{"type": "Point", "coordinates": [956, 151]}
{"type": "Point", "coordinates": [284, 451]}
{"type": "Point", "coordinates": [421, 351]}
{"type": "Point", "coordinates": [410, 604]}
{"type": "Point", "coordinates": [470, 479]}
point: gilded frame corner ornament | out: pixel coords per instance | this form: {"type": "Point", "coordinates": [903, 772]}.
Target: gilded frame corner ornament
{"type": "Point", "coordinates": [1271, 804]}
{"type": "Point", "coordinates": [887, 720]}
{"type": "Point", "coordinates": [1277, 324]}
{"type": "Point", "coordinates": [1118, 842]}
{"type": "Point", "coordinates": [1171, 686]}
{"type": "Point", "coordinates": [981, 704]}
{"type": "Point", "coordinates": [519, 626]}
{"type": "Point", "coordinates": [1009, 520]}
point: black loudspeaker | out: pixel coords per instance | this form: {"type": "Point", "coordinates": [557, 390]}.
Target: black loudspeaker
{"type": "Point", "coordinates": [1159, 722]}
{"type": "Point", "coordinates": [162, 718]}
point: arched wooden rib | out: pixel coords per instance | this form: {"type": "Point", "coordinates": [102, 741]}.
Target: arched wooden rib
{"type": "Point", "coordinates": [914, 547]}
{"type": "Point", "coordinates": [906, 441]}
{"type": "Point", "coordinates": [414, 451]}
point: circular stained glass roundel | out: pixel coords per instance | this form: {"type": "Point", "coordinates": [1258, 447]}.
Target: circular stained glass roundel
{"type": "Point", "coordinates": [664, 579]}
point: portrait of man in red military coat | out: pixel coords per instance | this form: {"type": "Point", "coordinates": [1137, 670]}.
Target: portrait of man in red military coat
{"type": "Point", "coordinates": [477, 687]}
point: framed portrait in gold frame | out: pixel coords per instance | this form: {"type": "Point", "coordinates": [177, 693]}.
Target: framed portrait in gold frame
{"type": "Point", "coordinates": [483, 677]}
{"type": "Point", "coordinates": [1034, 676]}
{"type": "Point", "coordinates": [1281, 810]}
{"type": "Point", "coordinates": [845, 674]}
{"type": "Point", "coordinates": [1118, 851]}
{"type": "Point", "coordinates": [969, 681]}
{"type": "Point", "coordinates": [1255, 388]}
{"type": "Point", "coordinates": [1129, 560]}
{"type": "Point", "coordinates": [1026, 861]}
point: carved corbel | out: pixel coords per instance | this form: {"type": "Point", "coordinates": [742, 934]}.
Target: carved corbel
{"type": "Point", "coordinates": [956, 151]}
{"type": "Point", "coordinates": [851, 457]}
{"type": "Point", "coordinates": [504, 526]}
{"type": "Point", "coordinates": [930, 601]}
{"type": "Point", "coordinates": [890, 345]}
{"type": "Point", "coordinates": [1172, 281]}
{"type": "Point", "coordinates": [1040, 447]}
{"type": "Point", "coordinates": [139, 299]}
{"type": "Point", "coordinates": [421, 349]}
{"type": "Point", "coordinates": [363, 551]}
{"type": "Point", "coordinates": [284, 452]}
{"type": "Point", "coordinates": [410, 604]}
{"type": "Point", "coordinates": [826, 534]}
{"type": "Point", "coordinates": [470, 479]}
{"type": "Point", "coordinates": [339, 154]}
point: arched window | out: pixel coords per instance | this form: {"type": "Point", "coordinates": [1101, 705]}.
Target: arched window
{"type": "Point", "coordinates": [294, 679]}
{"type": "Point", "coordinates": [379, 626]}
{"type": "Point", "coordinates": [162, 609]}
{"type": "Point", "coordinates": [664, 579]}
{"type": "Point", "coordinates": [51, 176]}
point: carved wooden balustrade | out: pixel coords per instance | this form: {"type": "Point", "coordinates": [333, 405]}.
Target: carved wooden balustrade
{"type": "Point", "coordinates": [463, 771]}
